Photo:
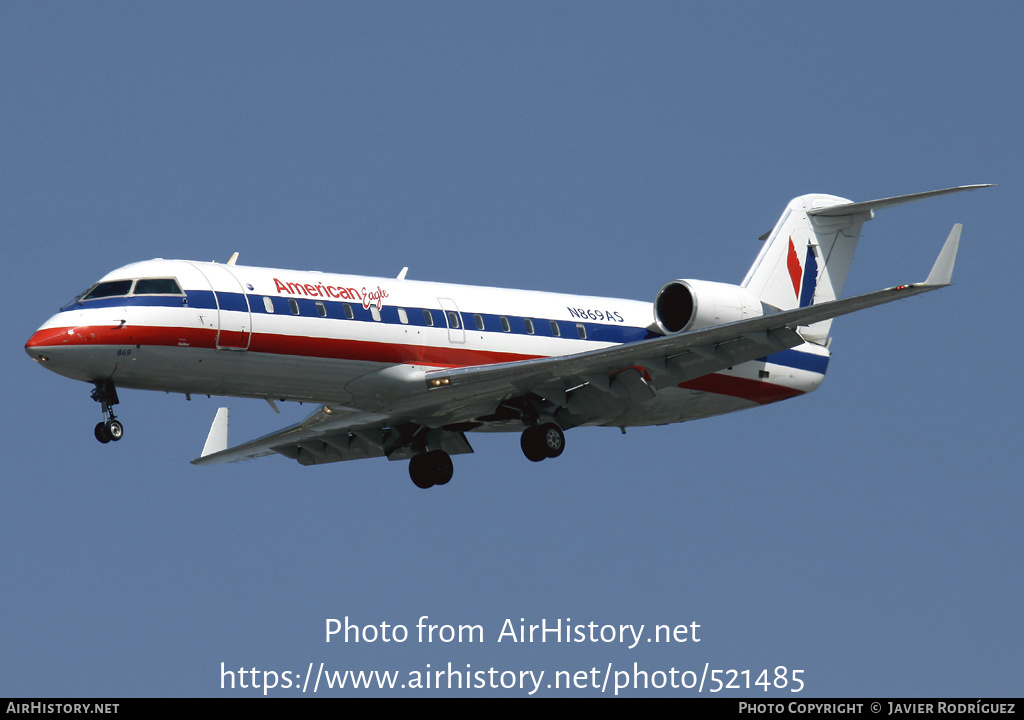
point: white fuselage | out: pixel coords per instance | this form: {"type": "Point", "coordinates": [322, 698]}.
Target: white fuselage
{"type": "Point", "coordinates": [366, 343]}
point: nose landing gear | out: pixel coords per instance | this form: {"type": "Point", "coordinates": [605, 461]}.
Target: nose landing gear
{"type": "Point", "coordinates": [111, 428]}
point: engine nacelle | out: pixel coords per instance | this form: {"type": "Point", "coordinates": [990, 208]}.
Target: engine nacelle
{"type": "Point", "coordinates": [694, 304]}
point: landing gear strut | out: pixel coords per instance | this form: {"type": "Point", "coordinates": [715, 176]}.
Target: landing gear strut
{"type": "Point", "coordinates": [431, 468]}
{"type": "Point", "coordinates": [542, 441]}
{"type": "Point", "coordinates": [111, 428]}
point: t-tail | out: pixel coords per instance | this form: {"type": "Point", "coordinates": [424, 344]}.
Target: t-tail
{"type": "Point", "coordinates": [808, 253]}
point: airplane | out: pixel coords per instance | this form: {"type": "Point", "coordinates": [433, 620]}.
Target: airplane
{"type": "Point", "coordinates": [403, 369]}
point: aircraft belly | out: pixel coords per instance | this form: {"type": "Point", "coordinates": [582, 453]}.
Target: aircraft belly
{"type": "Point", "coordinates": [744, 386]}
{"type": "Point", "coordinates": [204, 371]}
{"type": "Point", "coordinates": [231, 373]}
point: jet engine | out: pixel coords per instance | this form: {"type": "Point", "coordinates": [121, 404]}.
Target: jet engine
{"type": "Point", "coordinates": [694, 304]}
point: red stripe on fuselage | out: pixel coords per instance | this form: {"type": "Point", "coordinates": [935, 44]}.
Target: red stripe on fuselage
{"type": "Point", "coordinates": [87, 335]}
{"type": "Point", "coordinates": [315, 347]}
{"type": "Point", "coordinates": [754, 390]}
{"type": "Point", "coordinates": [50, 337]}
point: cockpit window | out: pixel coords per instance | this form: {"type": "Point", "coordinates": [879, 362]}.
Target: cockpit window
{"type": "Point", "coordinates": [143, 286]}
{"type": "Point", "coordinates": [113, 288]}
{"type": "Point", "coordinates": [75, 300]}
{"type": "Point", "coordinates": [157, 286]}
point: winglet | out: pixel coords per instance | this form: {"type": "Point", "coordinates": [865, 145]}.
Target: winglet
{"type": "Point", "coordinates": [942, 270]}
{"type": "Point", "coordinates": [217, 440]}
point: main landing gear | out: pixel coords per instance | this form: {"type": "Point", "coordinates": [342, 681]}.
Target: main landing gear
{"type": "Point", "coordinates": [431, 468]}
{"type": "Point", "coordinates": [428, 469]}
{"type": "Point", "coordinates": [542, 441]}
{"type": "Point", "coordinates": [111, 428]}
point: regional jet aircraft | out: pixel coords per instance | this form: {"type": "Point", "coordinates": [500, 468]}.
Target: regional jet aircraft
{"type": "Point", "coordinates": [403, 369]}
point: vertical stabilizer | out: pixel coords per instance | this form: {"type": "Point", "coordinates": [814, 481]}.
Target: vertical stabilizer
{"type": "Point", "coordinates": [808, 253]}
{"type": "Point", "coordinates": [806, 258]}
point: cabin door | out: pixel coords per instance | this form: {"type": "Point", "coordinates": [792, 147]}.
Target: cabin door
{"type": "Point", "coordinates": [234, 318]}
{"type": "Point", "coordinates": [452, 317]}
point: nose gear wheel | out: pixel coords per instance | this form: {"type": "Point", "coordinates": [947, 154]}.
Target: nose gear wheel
{"type": "Point", "coordinates": [111, 428]}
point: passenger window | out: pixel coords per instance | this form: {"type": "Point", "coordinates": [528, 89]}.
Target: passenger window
{"type": "Point", "coordinates": [554, 329]}
{"type": "Point", "coordinates": [157, 286]}
{"type": "Point", "coordinates": [268, 305]}
{"type": "Point", "coordinates": [403, 316]}
{"type": "Point", "coordinates": [320, 309]}
{"type": "Point", "coordinates": [428, 318]}
{"type": "Point", "coordinates": [348, 311]}
{"type": "Point", "coordinates": [479, 321]}
{"type": "Point", "coordinates": [115, 288]}
{"type": "Point", "coordinates": [581, 330]}
{"type": "Point", "coordinates": [375, 313]}
{"type": "Point", "coordinates": [293, 305]}
{"type": "Point", "coordinates": [528, 323]}
{"type": "Point", "coordinates": [505, 327]}
{"type": "Point", "coordinates": [453, 320]}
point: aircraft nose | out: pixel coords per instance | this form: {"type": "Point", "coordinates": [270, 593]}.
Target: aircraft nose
{"type": "Point", "coordinates": [70, 348]}
{"type": "Point", "coordinates": [43, 341]}
{"type": "Point", "coordinates": [54, 341]}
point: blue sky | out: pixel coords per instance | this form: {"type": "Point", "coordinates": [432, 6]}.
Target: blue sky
{"type": "Point", "coordinates": [868, 533]}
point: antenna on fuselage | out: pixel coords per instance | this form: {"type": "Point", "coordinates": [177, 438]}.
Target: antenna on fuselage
{"type": "Point", "coordinates": [401, 275]}
{"type": "Point", "coordinates": [233, 260]}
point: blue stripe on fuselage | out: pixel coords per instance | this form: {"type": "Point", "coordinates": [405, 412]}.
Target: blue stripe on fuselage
{"type": "Point", "coordinates": [798, 360]}
{"type": "Point", "coordinates": [132, 301]}
{"type": "Point", "coordinates": [228, 301]}
{"type": "Point", "coordinates": [596, 332]}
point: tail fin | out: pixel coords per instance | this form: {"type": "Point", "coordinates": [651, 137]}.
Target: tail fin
{"type": "Point", "coordinates": [807, 255]}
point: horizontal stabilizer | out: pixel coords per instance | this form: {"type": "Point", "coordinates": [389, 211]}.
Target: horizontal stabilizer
{"type": "Point", "coordinates": [869, 205]}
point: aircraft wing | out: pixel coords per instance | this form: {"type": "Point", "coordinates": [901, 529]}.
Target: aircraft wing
{"type": "Point", "coordinates": [332, 434]}
{"type": "Point", "coordinates": [457, 399]}
{"type": "Point", "coordinates": [685, 356]}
